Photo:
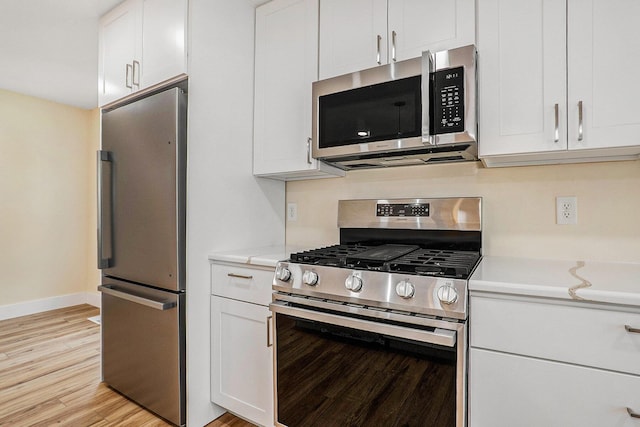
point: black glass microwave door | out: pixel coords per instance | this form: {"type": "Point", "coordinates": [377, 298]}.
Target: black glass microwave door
{"type": "Point", "coordinates": [329, 375]}
{"type": "Point", "coordinates": [380, 112]}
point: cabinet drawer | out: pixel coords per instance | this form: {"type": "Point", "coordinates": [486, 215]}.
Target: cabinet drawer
{"type": "Point", "coordinates": [250, 284]}
{"type": "Point", "coordinates": [575, 334]}
{"type": "Point", "coordinates": [507, 390]}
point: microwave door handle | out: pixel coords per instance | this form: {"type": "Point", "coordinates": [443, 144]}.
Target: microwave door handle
{"type": "Point", "coordinates": [428, 67]}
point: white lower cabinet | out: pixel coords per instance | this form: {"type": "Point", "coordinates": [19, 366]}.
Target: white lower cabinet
{"type": "Point", "coordinates": [241, 359]}
{"type": "Point", "coordinates": [508, 390]}
{"type": "Point", "coordinates": [538, 362]}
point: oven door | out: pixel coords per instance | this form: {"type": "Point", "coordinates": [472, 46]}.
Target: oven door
{"type": "Point", "coordinates": [337, 370]}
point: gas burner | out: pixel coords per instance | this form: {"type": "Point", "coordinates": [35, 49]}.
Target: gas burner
{"type": "Point", "coordinates": [430, 262]}
{"type": "Point", "coordinates": [331, 255]}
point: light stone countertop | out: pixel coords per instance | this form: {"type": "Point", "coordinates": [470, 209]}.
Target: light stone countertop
{"type": "Point", "coordinates": [265, 256]}
{"type": "Point", "coordinates": [604, 282]}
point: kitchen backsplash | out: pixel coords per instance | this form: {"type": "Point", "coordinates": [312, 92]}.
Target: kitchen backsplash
{"type": "Point", "coordinates": [519, 205]}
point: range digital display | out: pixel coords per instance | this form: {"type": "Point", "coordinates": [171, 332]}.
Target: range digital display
{"type": "Point", "coordinates": [399, 210]}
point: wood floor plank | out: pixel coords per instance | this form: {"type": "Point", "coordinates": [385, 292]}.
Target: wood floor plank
{"type": "Point", "coordinates": [50, 375]}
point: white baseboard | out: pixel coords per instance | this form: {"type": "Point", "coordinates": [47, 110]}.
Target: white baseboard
{"type": "Point", "coordinates": [10, 311]}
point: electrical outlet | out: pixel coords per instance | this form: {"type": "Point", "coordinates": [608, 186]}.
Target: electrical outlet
{"type": "Point", "coordinates": [567, 210]}
{"type": "Point", "coordinates": [292, 211]}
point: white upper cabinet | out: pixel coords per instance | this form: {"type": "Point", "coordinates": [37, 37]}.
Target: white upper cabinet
{"type": "Point", "coordinates": [163, 40]}
{"type": "Point", "coordinates": [522, 67]}
{"type": "Point", "coordinates": [119, 39]}
{"type": "Point", "coordinates": [353, 35]}
{"type": "Point", "coordinates": [604, 57]}
{"type": "Point", "coordinates": [552, 84]}
{"type": "Point", "coordinates": [286, 64]}
{"type": "Point", "coordinates": [142, 43]}
{"type": "Point", "coordinates": [360, 34]}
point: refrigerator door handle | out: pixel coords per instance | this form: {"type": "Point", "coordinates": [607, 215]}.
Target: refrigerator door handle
{"type": "Point", "coordinates": [158, 305]}
{"type": "Point", "coordinates": [103, 156]}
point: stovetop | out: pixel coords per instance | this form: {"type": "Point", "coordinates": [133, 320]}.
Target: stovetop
{"type": "Point", "coordinates": [406, 255]}
{"type": "Point", "coordinates": [393, 258]}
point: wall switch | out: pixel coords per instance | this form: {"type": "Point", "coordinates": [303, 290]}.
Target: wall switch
{"type": "Point", "coordinates": [567, 210]}
{"type": "Point", "coordinates": [292, 211]}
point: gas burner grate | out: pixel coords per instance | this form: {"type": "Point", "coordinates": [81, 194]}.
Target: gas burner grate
{"type": "Point", "coordinates": [331, 255]}
{"type": "Point", "coordinates": [433, 262]}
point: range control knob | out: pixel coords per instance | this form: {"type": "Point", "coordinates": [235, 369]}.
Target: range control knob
{"type": "Point", "coordinates": [310, 278]}
{"type": "Point", "coordinates": [447, 294]}
{"type": "Point", "coordinates": [405, 289]}
{"type": "Point", "coordinates": [283, 273]}
{"type": "Point", "coordinates": [353, 283]}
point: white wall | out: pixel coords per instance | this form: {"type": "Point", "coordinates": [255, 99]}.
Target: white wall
{"type": "Point", "coordinates": [227, 207]}
{"type": "Point", "coordinates": [47, 219]}
{"type": "Point", "coordinates": [518, 205]}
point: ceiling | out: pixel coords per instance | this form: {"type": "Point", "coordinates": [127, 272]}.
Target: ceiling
{"type": "Point", "coordinates": [49, 49]}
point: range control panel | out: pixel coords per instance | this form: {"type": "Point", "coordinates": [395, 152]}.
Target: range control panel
{"type": "Point", "coordinates": [396, 209]}
{"type": "Point", "coordinates": [448, 105]}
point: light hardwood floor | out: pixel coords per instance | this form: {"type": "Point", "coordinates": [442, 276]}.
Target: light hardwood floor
{"type": "Point", "coordinates": [50, 375]}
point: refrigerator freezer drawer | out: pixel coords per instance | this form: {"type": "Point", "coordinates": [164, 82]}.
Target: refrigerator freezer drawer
{"type": "Point", "coordinates": [143, 346]}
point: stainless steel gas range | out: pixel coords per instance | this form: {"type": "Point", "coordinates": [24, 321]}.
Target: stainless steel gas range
{"type": "Point", "coordinates": [373, 331]}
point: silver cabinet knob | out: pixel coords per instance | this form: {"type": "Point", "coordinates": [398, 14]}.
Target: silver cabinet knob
{"type": "Point", "coordinates": [447, 294]}
{"type": "Point", "coordinates": [310, 278]}
{"type": "Point", "coordinates": [283, 273]}
{"type": "Point", "coordinates": [353, 283]}
{"type": "Point", "coordinates": [405, 289]}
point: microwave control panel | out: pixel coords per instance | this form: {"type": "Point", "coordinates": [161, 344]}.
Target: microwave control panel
{"type": "Point", "coordinates": [448, 94]}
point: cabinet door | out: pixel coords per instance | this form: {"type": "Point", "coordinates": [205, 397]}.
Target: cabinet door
{"type": "Point", "coordinates": [241, 362]}
{"type": "Point", "coordinates": [522, 76]}
{"type": "Point", "coordinates": [507, 390]}
{"type": "Point", "coordinates": [163, 40]}
{"type": "Point", "coordinates": [418, 25]}
{"type": "Point", "coordinates": [604, 42]}
{"type": "Point", "coordinates": [353, 36]}
{"type": "Point", "coordinates": [118, 41]}
{"type": "Point", "coordinates": [286, 65]}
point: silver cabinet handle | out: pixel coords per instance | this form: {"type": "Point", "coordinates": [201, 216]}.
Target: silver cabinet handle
{"type": "Point", "coordinates": [239, 276]}
{"type": "Point", "coordinates": [556, 131]}
{"type": "Point", "coordinates": [632, 414]}
{"type": "Point", "coordinates": [427, 68]}
{"type": "Point", "coordinates": [309, 161]}
{"type": "Point", "coordinates": [378, 39]}
{"type": "Point", "coordinates": [393, 45]}
{"type": "Point", "coordinates": [269, 328]}
{"type": "Point", "coordinates": [128, 72]}
{"type": "Point", "coordinates": [136, 73]}
{"type": "Point", "coordinates": [631, 330]}
{"type": "Point", "coordinates": [103, 261]}
{"type": "Point", "coordinates": [158, 305]}
{"type": "Point", "coordinates": [580, 130]}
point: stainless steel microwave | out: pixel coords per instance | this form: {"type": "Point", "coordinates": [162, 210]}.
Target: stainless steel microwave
{"type": "Point", "coordinates": [417, 111]}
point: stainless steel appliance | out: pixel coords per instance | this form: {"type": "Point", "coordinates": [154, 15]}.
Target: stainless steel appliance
{"type": "Point", "coordinates": [416, 111]}
{"type": "Point", "coordinates": [141, 250]}
{"type": "Point", "coordinates": [373, 331]}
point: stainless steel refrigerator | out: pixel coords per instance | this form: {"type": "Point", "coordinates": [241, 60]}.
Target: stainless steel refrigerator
{"type": "Point", "coordinates": [141, 250]}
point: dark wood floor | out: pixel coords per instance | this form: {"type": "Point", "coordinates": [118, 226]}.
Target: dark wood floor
{"type": "Point", "coordinates": [50, 375]}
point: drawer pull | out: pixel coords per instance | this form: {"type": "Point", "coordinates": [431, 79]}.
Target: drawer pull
{"type": "Point", "coordinates": [632, 414]}
{"type": "Point", "coordinates": [239, 276]}
{"type": "Point", "coordinates": [632, 330]}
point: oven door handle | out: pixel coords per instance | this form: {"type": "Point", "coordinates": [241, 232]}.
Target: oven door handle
{"type": "Point", "coordinates": [444, 337]}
